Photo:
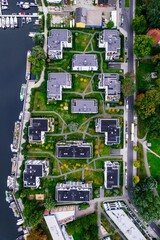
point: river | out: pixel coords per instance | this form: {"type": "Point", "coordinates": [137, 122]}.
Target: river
{"type": "Point", "coordinates": [14, 44]}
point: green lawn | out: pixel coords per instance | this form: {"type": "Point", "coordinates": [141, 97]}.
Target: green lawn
{"type": "Point", "coordinates": [140, 157]}
{"type": "Point", "coordinates": [144, 70]}
{"type": "Point", "coordinates": [80, 41]}
{"type": "Point", "coordinates": [127, 3]}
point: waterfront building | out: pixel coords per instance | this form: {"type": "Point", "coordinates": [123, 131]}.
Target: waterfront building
{"type": "Point", "coordinates": [57, 40]}
{"type": "Point", "coordinates": [34, 170]}
{"type": "Point", "coordinates": [37, 129]}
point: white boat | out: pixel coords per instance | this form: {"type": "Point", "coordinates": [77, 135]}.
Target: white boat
{"type": "Point", "coordinates": [20, 222]}
{"type": "Point", "coordinates": [3, 23]}
{"type": "Point", "coordinates": [15, 21]}
{"type": "Point", "coordinates": [27, 20]}
{"type": "Point", "coordinates": [4, 7]}
{"type": "Point", "coordinates": [9, 196]}
{"type": "Point", "coordinates": [0, 22]}
{"type": "Point", "coordinates": [25, 5]}
{"type": "Point", "coordinates": [7, 22]}
{"type": "Point", "coordinates": [20, 115]}
{"type": "Point", "coordinates": [11, 22]}
{"type": "Point", "coordinates": [4, 3]}
{"type": "Point", "coordinates": [23, 91]}
{"type": "Point", "coordinates": [23, 20]}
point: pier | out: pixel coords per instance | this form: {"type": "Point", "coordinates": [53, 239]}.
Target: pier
{"type": "Point", "coordinates": [19, 16]}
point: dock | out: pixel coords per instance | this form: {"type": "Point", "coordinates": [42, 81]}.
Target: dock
{"type": "Point", "coordinates": [28, 67]}
{"type": "Point", "coordinates": [19, 16]}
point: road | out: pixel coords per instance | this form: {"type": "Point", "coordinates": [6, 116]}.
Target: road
{"type": "Point", "coordinates": [128, 16]}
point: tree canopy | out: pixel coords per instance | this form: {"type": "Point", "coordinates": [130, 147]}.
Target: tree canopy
{"type": "Point", "coordinates": [136, 163]}
{"type": "Point", "coordinates": [49, 204]}
{"type": "Point", "coordinates": [139, 24]}
{"type": "Point", "coordinates": [33, 213]}
{"type": "Point", "coordinates": [38, 39]}
{"type": "Point", "coordinates": [36, 234]}
{"type": "Point", "coordinates": [37, 60]}
{"type": "Point", "coordinates": [147, 103]}
{"type": "Point", "coordinates": [143, 46]}
{"type": "Point", "coordinates": [153, 13]}
{"type": "Point", "coordinates": [110, 24]}
{"type": "Point", "coordinates": [128, 86]}
{"type": "Point", "coordinates": [147, 203]}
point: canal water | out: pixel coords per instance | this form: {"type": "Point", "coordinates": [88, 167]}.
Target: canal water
{"type": "Point", "coordinates": [14, 44]}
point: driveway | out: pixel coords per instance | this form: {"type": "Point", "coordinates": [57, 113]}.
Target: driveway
{"type": "Point", "coordinates": [81, 213]}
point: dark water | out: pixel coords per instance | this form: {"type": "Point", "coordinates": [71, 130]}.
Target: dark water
{"type": "Point", "coordinates": [14, 45]}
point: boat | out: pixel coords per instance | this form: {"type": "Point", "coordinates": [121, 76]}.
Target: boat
{"type": "Point", "coordinates": [23, 20]}
{"type": "Point", "coordinates": [7, 22]}
{"type": "Point", "coordinates": [4, 7]}
{"type": "Point", "coordinates": [0, 22]}
{"type": "Point", "coordinates": [14, 145]}
{"type": "Point", "coordinates": [23, 91]}
{"type": "Point", "coordinates": [9, 196]}
{"type": "Point", "coordinates": [20, 222]}
{"type": "Point", "coordinates": [14, 209]}
{"type": "Point", "coordinates": [27, 20]}
{"type": "Point", "coordinates": [20, 115]}
{"type": "Point", "coordinates": [15, 21]}
{"type": "Point", "coordinates": [25, 5]}
{"type": "Point", "coordinates": [3, 23]}
{"type": "Point", "coordinates": [11, 22]}
{"type": "Point", "coordinates": [4, 3]}
{"type": "Point", "coordinates": [11, 182]}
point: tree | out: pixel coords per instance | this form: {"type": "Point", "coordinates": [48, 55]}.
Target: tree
{"type": "Point", "coordinates": [143, 46]}
{"type": "Point", "coordinates": [49, 204]}
{"type": "Point", "coordinates": [153, 13]}
{"type": "Point", "coordinates": [37, 60]}
{"type": "Point", "coordinates": [36, 234]}
{"type": "Point", "coordinates": [136, 179]}
{"type": "Point", "coordinates": [136, 148]}
{"type": "Point", "coordinates": [147, 103]}
{"type": "Point", "coordinates": [148, 183]}
{"type": "Point", "coordinates": [128, 87]}
{"type": "Point", "coordinates": [139, 24]}
{"type": "Point", "coordinates": [110, 24]}
{"type": "Point", "coordinates": [38, 39]}
{"type": "Point", "coordinates": [136, 163]}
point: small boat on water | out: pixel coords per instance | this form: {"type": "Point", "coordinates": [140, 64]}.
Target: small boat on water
{"type": "Point", "coordinates": [0, 22]}
{"type": "Point", "coordinates": [11, 22]}
{"type": "Point", "coordinates": [15, 21]}
{"type": "Point", "coordinates": [7, 22]}
{"type": "Point", "coordinates": [27, 20]}
{"type": "Point", "coordinates": [3, 23]}
{"type": "Point", "coordinates": [9, 196]}
{"type": "Point", "coordinates": [4, 3]}
{"type": "Point", "coordinates": [25, 5]}
{"type": "Point", "coordinates": [4, 7]}
{"type": "Point", "coordinates": [20, 115]}
{"type": "Point", "coordinates": [23, 20]}
{"type": "Point", "coordinates": [23, 91]}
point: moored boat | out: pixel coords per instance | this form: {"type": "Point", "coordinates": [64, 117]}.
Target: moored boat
{"type": "Point", "coordinates": [7, 22]}
{"type": "Point", "coordinates": [3, 23]}
{"type": "Point", "coordinates": [23, 91]}
{"type": "Point", "coordinates": [11, 22]}
{"type": "Point", "coordinates": [9, 196]}
{"type": "Point", "coordinates": [15, 21]}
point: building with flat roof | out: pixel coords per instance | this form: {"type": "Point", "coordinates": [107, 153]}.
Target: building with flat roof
{"type": "Point", "coordinates": [76, 149]}
{"type": "Point", "coordinates": [57, 40]}
{"type": "Point", "coordinates": [57, 232]}
{"type": "Point", "coordinates": [111, 41]}
{"type": "Point", "coordinates": [80, 17]}
{"type": "Point", "coordinates": [111, 129]}
{"type": "Point", "coordinates": [84, 62]}
{"type": "Point", "coordinates": [64, 214]}
{"type": "Point", "coordinates": [56, 82]}
{"type": "Point", "coordinates": [111, 175]}
{"type": "Point", "coordinates": [73, 192]}
{"type": "Point", "coordinates": [125, 224]}
{"type": "Point", "coordinates": [34, 170]}
{"type": "Point", "coordinates": [110, 82]}
{"type": "Point", "coordinates": [84, 106]}
{"type": "Point", "coordinates": [37, 129]}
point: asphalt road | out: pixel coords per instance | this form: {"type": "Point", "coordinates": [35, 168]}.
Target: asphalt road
{"type": "Point", "coordinates": [128, 16]}
{"type": "Point", "coordinates": [155, 228]}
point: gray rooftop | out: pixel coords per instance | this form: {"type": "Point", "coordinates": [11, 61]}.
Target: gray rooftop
{"type": "Point", "coordinates": [81, 15]}
{"type": "Point", "coordinates": [113, 39]}
{"type": "Point", "coordinates": [56, 36]}
{"type": "Point", "coordinates": [112, 83]}
{"type": "Point", "coordinates": [84, 106]}
{"type": "Point", "coordinates": [85, 60]}
{"type": "Point", "coordinates": [55, 83]}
